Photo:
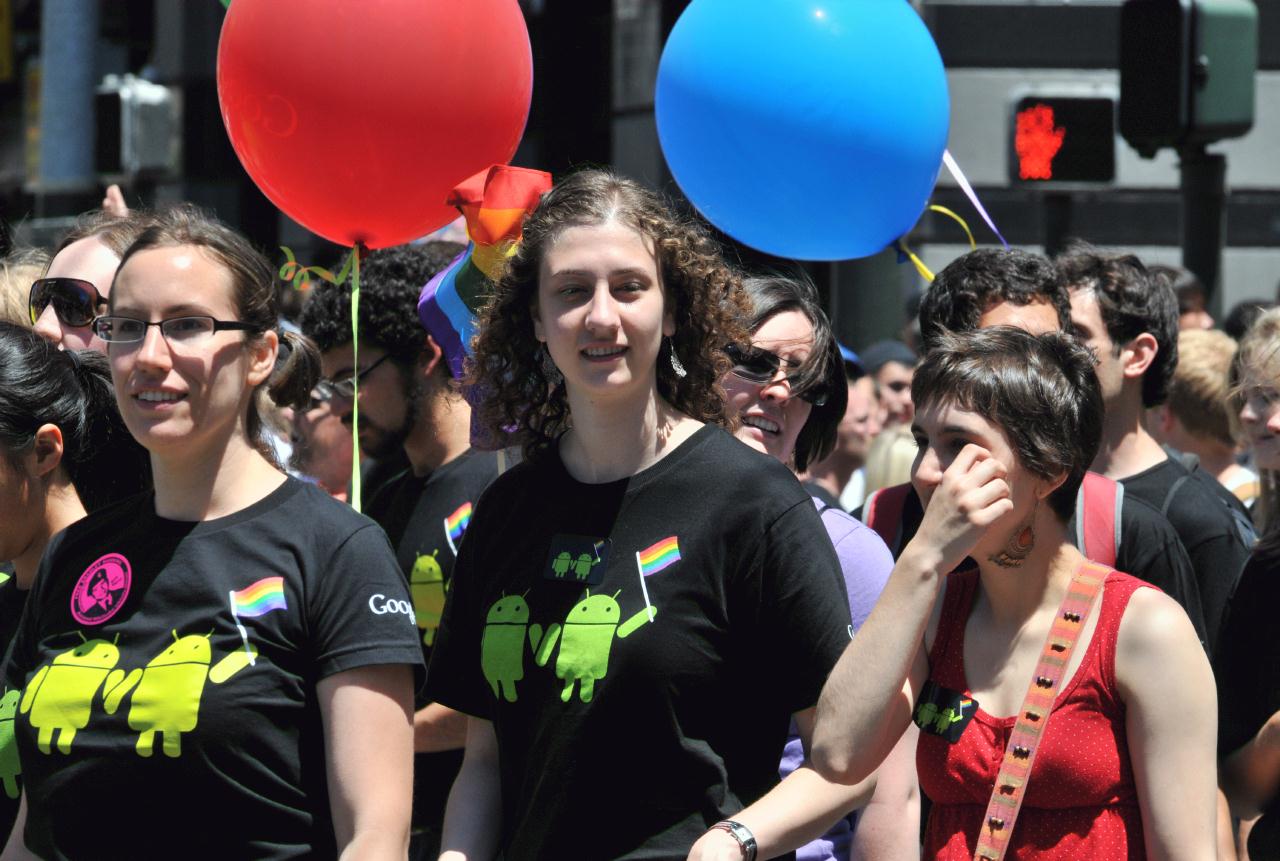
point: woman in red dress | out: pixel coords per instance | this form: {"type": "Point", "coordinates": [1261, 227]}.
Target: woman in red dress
{"type": "Point", "coordinates": [1121, 756]}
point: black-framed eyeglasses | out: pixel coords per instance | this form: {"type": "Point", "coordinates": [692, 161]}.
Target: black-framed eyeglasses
{"type": "Point", "coordinates": [760, 367]}
{"type": "Point", "coordinates": [179, 331]}
{"type": "Point", "coordinates": [74, 300]}
{"type": "Point", "coordinates": [345, 388]}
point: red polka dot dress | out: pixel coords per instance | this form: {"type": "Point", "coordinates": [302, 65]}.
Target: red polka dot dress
{"type": "Point", "coordinates": [1081, 801]}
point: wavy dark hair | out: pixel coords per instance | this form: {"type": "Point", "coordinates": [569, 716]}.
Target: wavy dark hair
{"type": "Point", "coordinates": [40, 384]}
{"type": "Point", "coordinates": [253, 291]}
{"type": "Point", "coordinates": [969, 285]}
{"type": "Point", "coordinates": [518, 403]}
{"type": "Point", "coordinates": [823, 370]}
{"type": "Point", "coordinates": [1040, 390]}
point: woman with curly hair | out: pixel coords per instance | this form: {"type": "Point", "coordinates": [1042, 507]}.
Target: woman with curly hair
{"type": "Point", "coordinates": [628, 639]}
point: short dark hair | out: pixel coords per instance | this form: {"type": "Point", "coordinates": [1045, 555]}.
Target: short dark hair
{"type": "Point", "coordinates": [969, 285]}
{"type": "Point", "coordinates": [769, 295]}
{"type": "Point", "coordinates": [1040, 390]}
{"type": "Point", "coordinates": [391, 280]}
{"type": "Point", "coordinates": [1132, 301]}
{"type": "Point", "coordinates": [1243, 314]}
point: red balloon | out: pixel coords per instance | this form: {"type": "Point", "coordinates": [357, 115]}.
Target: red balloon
{"type": "Point", "coordinates": [358, 117]}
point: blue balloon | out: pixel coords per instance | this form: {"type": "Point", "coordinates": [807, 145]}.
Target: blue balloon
{"type": "Point", "coordinates": [810, 129]}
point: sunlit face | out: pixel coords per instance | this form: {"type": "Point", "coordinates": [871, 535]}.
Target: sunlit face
{"type": "Point", "coordinates": [1086, 318]}
{"type": "Point", "coordinates": [181, 400]}
{"type": "Point", "coordinates": [385, 395]}
{"type": "Point", "coordinates": [893, 380]}
{"type": "Point", "coordinates": [861, 421]}
{"type": "Point", "coordinates": [1035, 317]}
{"type": "Point", "coordinates": [601, 311]}
{"type": "Point", "coordinates": [322, 445]}
{"type": "Point", "coordinates": [1260, 420]}
{"type": "Point", "coordinates": [89, 260]}
{"type": "Point", "coordinates": [942, 431]}
{"type": "Point", "coordinates": [772, 417]}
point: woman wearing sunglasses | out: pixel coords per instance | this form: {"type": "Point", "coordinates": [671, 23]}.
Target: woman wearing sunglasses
{"type": "Point", "coordinates": [63, 451]}
{"type": "Point", "coordinates": [787, 387]}
{"type": "Point", "coordinates": [230, 658]}
{"type": "Point", "coordinates": [643, 603]}
{"type": "Point", "coordinates": [74, 291]}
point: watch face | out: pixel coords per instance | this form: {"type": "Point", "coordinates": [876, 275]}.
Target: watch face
{"type": "Point", "coordinates": [943, 712]}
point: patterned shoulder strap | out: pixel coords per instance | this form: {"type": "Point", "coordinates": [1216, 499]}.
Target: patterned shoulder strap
{"type": "Point", "coordinates": [1033, 717]}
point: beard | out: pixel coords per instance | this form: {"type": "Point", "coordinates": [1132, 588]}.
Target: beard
{"type": "Point", "coordinates": [380, 442]}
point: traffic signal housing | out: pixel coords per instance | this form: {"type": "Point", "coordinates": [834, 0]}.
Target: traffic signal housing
{"type": "Point", "coordinates": [1187, 71]}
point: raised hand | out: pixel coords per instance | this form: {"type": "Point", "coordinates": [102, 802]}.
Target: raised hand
{"type": "Point", "coordinates": [972, 495]}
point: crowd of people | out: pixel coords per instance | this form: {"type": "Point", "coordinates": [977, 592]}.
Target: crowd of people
{"type": "Point", "coordinates": [662, 571]}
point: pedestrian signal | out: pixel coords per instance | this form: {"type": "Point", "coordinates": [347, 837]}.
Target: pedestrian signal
{"type": "Point", "coordinates": [1063, 139]}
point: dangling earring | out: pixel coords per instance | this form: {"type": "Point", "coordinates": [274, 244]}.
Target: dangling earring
{"type": "Point", "coordinates": [675, 360]}
{"type": "Point", "coordinates": [1020, 544]}
{"type": "Point", "coordinates": [549, 369]}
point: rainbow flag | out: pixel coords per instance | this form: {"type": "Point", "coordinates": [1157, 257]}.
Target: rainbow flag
{"type": "Point", "coordinates": [456, 524]}
{"type": "Point", "coordinates": [494, 203]}
{"type": "Point", "coordinates": [262, 597]}
{"type": "Point", "coordinates": [662, 555]}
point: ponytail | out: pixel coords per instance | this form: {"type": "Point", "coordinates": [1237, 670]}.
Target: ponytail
{"type": "Point", "coordinates": [39, 385]}
{"type": "Point", "coordinates": [297, 371]}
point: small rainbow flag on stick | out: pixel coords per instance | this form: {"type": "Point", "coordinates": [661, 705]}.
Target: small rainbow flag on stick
{"type": "Point", "coordinates": [255, 600]}
{"type": "Point", "coordinates": [456, 524]}
{"type": "Point", "coordinates": [653, 559]}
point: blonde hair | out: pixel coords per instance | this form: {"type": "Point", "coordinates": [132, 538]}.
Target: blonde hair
{"type": "Point", "coordinates": [1200, 393]}
{"type": "Point", "coordinates": [17, 270]}
{"type": "Point", "coordinates": [1258, 362]}
{"type": "Point", "coordinates": [890, 457]}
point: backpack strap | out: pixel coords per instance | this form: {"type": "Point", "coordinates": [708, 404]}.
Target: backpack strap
{"type": "Point", "coordinates": [1098, 505]}
{"type": "Point", "coordinates": [1029, 728]}
{"type": "Point", "coordinates": [883, 513]}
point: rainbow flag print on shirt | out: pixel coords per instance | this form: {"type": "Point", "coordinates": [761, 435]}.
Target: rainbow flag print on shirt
{"type": "Point", "coordinates": [456, 524]}
{"type": "Point", "coordinates": [659, 556]}
{"type": "Point", "coordinates": [261, 597]}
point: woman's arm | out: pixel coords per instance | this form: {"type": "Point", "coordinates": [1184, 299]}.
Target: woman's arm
{"type": "Point", "coordinates": [866, 703]}
{"type": "Point", "coordinates": [438, 728]}
{"type": "Point", "coordinates": [1251, 775]}
{"type": "Point", "coordinates": [368, 733]}
{"type": "Point", "coordinates": [889, 827]}
{"type": "Point", "coordinates": [473, 817]}
{"type": "Point", "coordinates": [1171, 723]}
{"type": "Point", "coordinates": [801, 808]}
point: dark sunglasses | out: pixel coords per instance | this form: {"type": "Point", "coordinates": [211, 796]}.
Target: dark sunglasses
{"type": "Point", "coordinates": [761, 367]}
{"type": "Point", "coordinates": [74, 300]}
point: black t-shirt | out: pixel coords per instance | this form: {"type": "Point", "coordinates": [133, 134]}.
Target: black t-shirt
{"type": "Point", "coordinates": [1247, 668]}
{"type": "Point", "coordinates": [169, 673]}
{"type": "Point", "coordinates": [639, 645]}
{"type": "Point", "coordinates": [820, 493]}
{"type": "Point", "coordinates": [1206, 528]}
{"type": "Point", "coordinates": [425, 518]}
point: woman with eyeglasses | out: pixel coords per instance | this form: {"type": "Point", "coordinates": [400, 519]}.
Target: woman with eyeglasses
{"type": "Point", "coordinates": [64, 451]}
{"type": "Point", "coordinates": [643, 603]}
{"type": "Point", "coordinates": [787, 387]}
{"type": "Point", "coordinates": [74, 291]}
{"type": "Point", "coordinates": [223, 668]}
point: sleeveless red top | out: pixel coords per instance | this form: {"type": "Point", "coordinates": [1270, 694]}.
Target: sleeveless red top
{"type": "Point", "coordinates": [1081, 801]}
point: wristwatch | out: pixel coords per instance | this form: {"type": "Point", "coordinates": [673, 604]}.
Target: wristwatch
{"type": "Point", "coordinates": [741, 833]}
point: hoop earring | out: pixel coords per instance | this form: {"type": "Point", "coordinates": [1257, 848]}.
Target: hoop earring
{"type": "Point", "coordinates": [549, 369]}
{"type": "Point", "coordinates": [678, 368]}
{"type": "Point", "coordinates": [1020, 545]}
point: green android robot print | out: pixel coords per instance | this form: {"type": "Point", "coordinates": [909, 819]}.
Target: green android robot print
{"type": "Point", "coordinates": [167, 691]}
{"type": "Point", "coordinates": [428, 590]}
{"type": "Point", "coordinates": [586, 640]}
{"type": "Point", "coordinates": [10, 767]}
{"type": "Point", "coordinates": [59, 697]}
{"type": "Point", "coordinates": [502, 645]}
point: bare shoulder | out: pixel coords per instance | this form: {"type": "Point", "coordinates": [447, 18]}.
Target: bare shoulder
{"type": "Point", "coordinates": [1156, 639]}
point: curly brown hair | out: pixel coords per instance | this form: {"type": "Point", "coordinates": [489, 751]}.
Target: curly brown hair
{"type": "Point", "coordinates": [517, 402]}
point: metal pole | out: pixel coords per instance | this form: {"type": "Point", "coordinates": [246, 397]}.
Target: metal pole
{"type": "Point", "coordinates": [68, 60]}
{"type": "Point", "coordinates": [1204, 216]}
{"type": "Point", "coordinates": [1057, 221]}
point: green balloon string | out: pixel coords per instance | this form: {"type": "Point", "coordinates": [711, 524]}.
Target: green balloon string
{"type": "Point", "coordinates": [355, 376]}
